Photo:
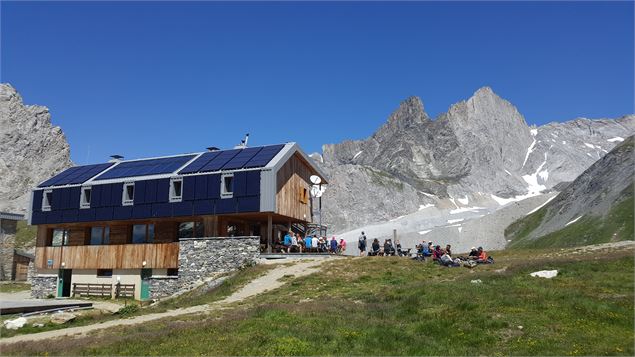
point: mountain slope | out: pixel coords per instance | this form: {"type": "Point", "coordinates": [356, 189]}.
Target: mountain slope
{"type": "Point", "coordinates": [480, 153]}
{"type": "Point", "coordinates": [595, 208]}
{"type": "Point", "coordinates": [31, 149]}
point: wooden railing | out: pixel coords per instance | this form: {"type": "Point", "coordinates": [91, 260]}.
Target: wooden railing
{"type": "Point", "coordinates": [120, 256]}
{"type": "Point", "coordinates": [124, 290]}
{"type": "Point", "coordinates": [103, 290]}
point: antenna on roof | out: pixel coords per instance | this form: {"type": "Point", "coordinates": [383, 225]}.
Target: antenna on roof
{"type": "Point", "coordinates": [115, 158]}
{"type": "Point", "coordinates": [243, 142]}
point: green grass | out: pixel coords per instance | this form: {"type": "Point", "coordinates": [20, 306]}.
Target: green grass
{"type": "Point", "coordinates": [14, 287]}
{"type": "Point", "coordinates": [25, 235]}
{"type": "Point", "coordinates": [394, 306]}
{"type": "Point", "coordinates": [192, 298]}
{"type": "Point", "coordinates": [617, 225]}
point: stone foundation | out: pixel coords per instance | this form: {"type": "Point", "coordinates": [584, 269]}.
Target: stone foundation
{"type": "Point", "coordinates": [163, 286]}
{"type": "Point", "coordinates": [42, 285]}
{"type": "Point", "coordinates": [201, 258]}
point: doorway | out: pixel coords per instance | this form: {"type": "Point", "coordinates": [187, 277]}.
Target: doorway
{"type": "Point", "coordinates": [145, 284]}
{"type": "Point", "coordinates": [64, 282]}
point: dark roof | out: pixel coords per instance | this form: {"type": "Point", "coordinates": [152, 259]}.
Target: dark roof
{"type": "Point", "coordinates": [11, 216]}
{"type": "Point", "coordinates": [233, 159]}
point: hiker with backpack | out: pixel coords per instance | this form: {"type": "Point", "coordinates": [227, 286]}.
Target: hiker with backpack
{"type": "Point", "coordinates": [361, 244]}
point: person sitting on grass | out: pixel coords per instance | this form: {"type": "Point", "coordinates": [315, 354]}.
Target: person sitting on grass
{"type": "Point", "coordinates": [388, 248]}
{"type": "Point", "coordinates": [473, 253]}
{"type": "Point", "coordinates": [425, 249]}
{"type": "Point", "coordinates": [483, 258]}
{"type": "Point", "coordinates": [448, 249]}
{"type": "Point", "coordinates": [437, 253]}
{"type": "Point", "coordinates": [374, 248]}
{"type": "Point", "coordinates": [446, 260]}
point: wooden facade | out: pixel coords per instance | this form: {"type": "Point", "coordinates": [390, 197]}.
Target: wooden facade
{"type": "Point", "coordinates": [118, 256]}
{"type": "Point", "coordinates": [293, 186]}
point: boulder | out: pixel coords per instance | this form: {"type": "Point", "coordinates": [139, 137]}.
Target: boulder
{"type": "Point", "coordinates": [60, 318]}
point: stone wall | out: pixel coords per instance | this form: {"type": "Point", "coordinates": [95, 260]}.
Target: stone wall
{"type": "Point", "coordinates": [202, 258]}
{"type": "Point", "coordinates": [161, 286]}
{"type": "Point", "coordinates": [42, 285]}
{"type": "Point", "coordinates": [7, 245]}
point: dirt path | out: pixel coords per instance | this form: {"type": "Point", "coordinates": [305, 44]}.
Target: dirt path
{"type": "Point", "coordinates": [257, 286]}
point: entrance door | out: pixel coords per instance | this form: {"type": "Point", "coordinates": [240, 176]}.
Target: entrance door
{"type": "Point", "coordinates": [64, 283]}
{"type": "Point", "coordinates": [145, 284]}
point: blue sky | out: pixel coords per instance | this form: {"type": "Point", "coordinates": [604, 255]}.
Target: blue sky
{"type": "Point", "coordinates": [148, 79]}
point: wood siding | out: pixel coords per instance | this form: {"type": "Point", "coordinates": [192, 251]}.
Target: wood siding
{"type": "Point", "coordinates": [292, 179]}
{"type": "Point", "coordinates": [123, 256]}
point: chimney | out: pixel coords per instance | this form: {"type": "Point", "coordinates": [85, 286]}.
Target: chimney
{"type": "Point", "coordinates": [115, 158]}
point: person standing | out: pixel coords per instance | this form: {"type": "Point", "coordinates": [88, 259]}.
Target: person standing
{"type": "Point", "coordinates": [361, 244]}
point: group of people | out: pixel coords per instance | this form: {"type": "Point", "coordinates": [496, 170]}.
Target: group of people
{"type": "Point", "coordinates": [294, 242]}
{"type": "Point", "coordinates": [444, 256]}
{"type": "Point", "coordinates": [388, 248]}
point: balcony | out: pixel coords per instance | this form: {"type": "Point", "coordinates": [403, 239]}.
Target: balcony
{"type": "Point", "coordinates": [120, 256]}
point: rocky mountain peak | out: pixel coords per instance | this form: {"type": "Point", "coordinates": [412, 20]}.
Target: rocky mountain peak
{"type": "Point", "coordinates": [32, 148]}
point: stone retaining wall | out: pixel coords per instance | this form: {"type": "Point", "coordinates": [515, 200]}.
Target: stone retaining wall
{"type": "Point", "coordinates": [42, 285]}
{"type": "Point", "coordinates": [201, 258]}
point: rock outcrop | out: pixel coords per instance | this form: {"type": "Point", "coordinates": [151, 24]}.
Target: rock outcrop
{"type": "Point", "coordinates": [480, 153]}
{"type": "Point", "coordinates": [597, 207]}
{"type": "Point", "coordinates": [31, 149]}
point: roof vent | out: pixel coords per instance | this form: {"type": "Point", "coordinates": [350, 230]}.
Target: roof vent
{"type": "Point", "coordinates": [115, 158]}
{"type": "Point", "coordinates": [212, 149]}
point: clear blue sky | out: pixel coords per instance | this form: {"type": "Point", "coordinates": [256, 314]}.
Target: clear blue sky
{"type": "Point", "coordinates": [148, 79]}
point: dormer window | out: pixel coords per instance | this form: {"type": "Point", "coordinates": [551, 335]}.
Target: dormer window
{"type": "Point", "coordinates": [127, 198]}
{"type": "Point", "coordinates": [47, 199]}
{"type": "Point", "coordinates": [85, 197]}
{"type": "Point", "coordinates": [227, 186]}
{"type": "Point", "coordinates": [176, 189]}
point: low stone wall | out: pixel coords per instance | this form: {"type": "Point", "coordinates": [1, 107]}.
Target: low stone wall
{"type": "Point", "coordinates": [201, 258]}
{"type": "Point", "coordinates": [42, 285]}
{"type": "Point", "coordinates": [163, 286]}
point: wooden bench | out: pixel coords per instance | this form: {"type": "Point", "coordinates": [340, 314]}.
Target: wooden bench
{"type": "Point", "coordinates": [102, 290]}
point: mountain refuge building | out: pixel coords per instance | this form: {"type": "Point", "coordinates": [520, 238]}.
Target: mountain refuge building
{"type": "Point", "coordinates": [148, 228]}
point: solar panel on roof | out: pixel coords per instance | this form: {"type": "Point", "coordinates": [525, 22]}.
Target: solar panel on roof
{"type": "Point", "coordinates": [197, 164]}
{"type": "Point", "coordinates": [220, 160]}
{"type": "Point", "coordinates": [75, 175]}
{"type": "Point", "coordinates": [242, 158]}
{"type": "Point", "coordinates": [146, 167]}
{"type": "Point", "coordinates": [264, 156]}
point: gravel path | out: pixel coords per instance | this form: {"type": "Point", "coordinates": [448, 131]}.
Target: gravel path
{"type": "Point", "coordinates": [257, 286]}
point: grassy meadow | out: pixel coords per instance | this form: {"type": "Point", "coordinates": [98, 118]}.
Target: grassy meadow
{"type": "Point", "coordinates": [396, 306]}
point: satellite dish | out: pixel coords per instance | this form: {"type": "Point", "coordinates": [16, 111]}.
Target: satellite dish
{"type": "Point", "coordinates": [315, 191]}
{"type": "Point", "coordinates": [316, 180]}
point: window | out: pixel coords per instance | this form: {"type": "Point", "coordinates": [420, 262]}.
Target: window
{"type": "Point", "coordinates": [128, 194]}
{"type": "Point", "coordinates": [304, 195]}
{"type": "Point", "coordinates": [99, 235]}
{"type": "Point", "coordinates": [227, 186]}
{"type": "Point", "coordinates": [60, 237]}
{"type": "Point", "coordinates": [104, 273]}
{"type": "Point", "coordinates": [47, 199]}
{"type": "Point", "coordinates": [191, 230]}
{"type": "Point", "coordinates": [142, 233]}
{"type": "Point", "coordinates": [173, 271]}
{"type": "Point", "coordinates": [176, 189]}
{"type": "Point", "coordinates": [85, 197]}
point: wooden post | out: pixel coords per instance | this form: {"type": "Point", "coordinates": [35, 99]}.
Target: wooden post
{"type": "Point", "coordinates": [269, 229]}
{"type": "Point", "coordinates": [211, 226]}
{"type": "Point", "coordinates": [394, 236]}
